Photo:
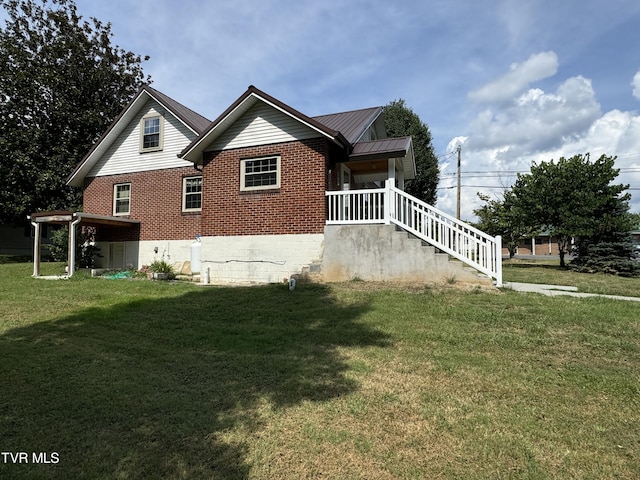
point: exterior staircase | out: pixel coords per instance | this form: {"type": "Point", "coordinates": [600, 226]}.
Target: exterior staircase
{"type": "Point", "coordinates": [374, 253]}
{"type": "Point", "coordinates": [386, 253]}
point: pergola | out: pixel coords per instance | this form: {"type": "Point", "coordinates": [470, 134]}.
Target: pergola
{"type": "Point", "coordinates": [72, 219]}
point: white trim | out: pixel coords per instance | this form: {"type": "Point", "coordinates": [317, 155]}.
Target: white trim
{"type": "Point", "coordinates": [184, 194]}
{"type": "Point", "coordinates": [243, 174]}
{"type": "Point", "coordinates": [160, 146]}
{"type": "Point", "coordinates": [113, 133]}
{"type": "Point", "coordinates": [115, 198]}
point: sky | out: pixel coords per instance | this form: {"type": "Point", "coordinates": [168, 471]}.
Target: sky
{"type": "Point", "coordinates": [510, 81]}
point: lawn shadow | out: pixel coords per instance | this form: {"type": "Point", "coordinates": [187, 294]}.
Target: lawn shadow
{"type": "Point", "coordinates": [544, 266]}
{"type": "Point", "coordinates": [157, 388]}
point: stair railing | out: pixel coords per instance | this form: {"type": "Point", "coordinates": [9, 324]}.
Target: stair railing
{"type": "Point", "coordinates": [391, 205]}
{"type": "Point", "coordinates": [459, 239]}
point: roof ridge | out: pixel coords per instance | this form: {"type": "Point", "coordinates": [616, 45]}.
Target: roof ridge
{"type": "Point", "coordinates": [196, 121]}
{"type": "Point", "coordinates": [349, 111]}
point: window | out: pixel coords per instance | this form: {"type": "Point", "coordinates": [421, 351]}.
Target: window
{"type": "Point", "coordinates": [260, 173]}
{"type": "Point", "coordinates": [151, 134]}
{"type": "Point", "coordinates": [122, 199]}
{"type": "Point", "coordinates": [191, 194]}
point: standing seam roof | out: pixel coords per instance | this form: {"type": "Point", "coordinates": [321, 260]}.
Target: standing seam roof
{"type": "Point", "coordinates": [351, 124]}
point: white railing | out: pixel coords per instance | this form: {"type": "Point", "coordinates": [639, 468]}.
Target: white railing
{"type": "Point", "coordinates": [356, 206]}
{"type": "Point", "coordinates": [391, 205]}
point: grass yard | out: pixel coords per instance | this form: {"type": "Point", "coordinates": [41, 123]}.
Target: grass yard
{"type": "Point", "coordinates": [125, 379]}
{"type": "Point", "coordinates": [549, 271]}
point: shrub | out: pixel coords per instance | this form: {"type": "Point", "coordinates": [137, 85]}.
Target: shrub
{"type": "Point", "coordinates": [161, 266]}
{"type": "Point", "coordinates": [616, 258]}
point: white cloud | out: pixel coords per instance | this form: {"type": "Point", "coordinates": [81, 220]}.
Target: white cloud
{"type": "Point", "coordinates": [636, 85]}
{"type": "Point", "coordinates": [520, 76]}
{"type": "Point", "coordinates": [540, 126]}
{"type": "Point", "coordinates": [537, 121]}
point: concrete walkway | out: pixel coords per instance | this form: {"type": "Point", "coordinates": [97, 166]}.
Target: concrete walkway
{"type": "Point", "coordinates": [555, 290]}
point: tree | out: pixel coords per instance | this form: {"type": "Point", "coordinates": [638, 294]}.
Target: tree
{"type": "Point", "coordinates": [62, 83]}
{"type": "Point", "coordinates": [573, 198]}
{"type": "Point", "coordinates": [499, 217]}
{"type": "Point", "coordinates": [399, 121]}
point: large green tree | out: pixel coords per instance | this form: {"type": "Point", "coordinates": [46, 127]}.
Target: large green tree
{"type": "Point", "coordinates": [500, 217]}
{"type": "Point", "coordinates": [573, 198]}
{"type": "Point", "coordinates": [62, 83]}
{"type": "Point", "coordinates": [400, 121]}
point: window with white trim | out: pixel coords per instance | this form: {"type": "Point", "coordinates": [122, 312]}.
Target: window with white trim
{"type": "Point", "coordinates": [122, 199]}
{"type": "Point", "coordinates": [192, 194]}
{"type": "Point", "coordinates": [260, 173]}
{"type": "Point", "coordinates": [151, 134]}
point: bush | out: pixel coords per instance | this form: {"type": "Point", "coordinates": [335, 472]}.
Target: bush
{"type": "Point", "coordinates": [86, 250]}
{"type": "Point", "coordinates": [161, 266]}
{"type": "Point", "coordinates": [616, 258]}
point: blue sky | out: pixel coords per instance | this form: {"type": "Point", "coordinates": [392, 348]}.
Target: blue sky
{"type": "Point", "coordinates": [512, 81]}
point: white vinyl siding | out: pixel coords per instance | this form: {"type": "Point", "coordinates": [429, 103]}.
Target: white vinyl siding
{"type": "Point", "coordinates": [262, 125]}
{"type": "Point", "coordinates": [123, 156]}
{"type": "Point", "coordinates": [151, 133]}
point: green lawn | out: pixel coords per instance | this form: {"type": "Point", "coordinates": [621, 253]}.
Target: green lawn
{"type": "Point", "coordinates": [549, 271]}
{"type": "Point", "coordinates": [134, 379]}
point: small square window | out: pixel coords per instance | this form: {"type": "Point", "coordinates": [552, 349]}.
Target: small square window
{"type": "Point", "coordinates": [260, 173]}
{"type": "Point", "coordinates": [122, 199]}
{"type": "Point", "coordinates": [151, 134]}
{"type": "Point", "coordinates": [191, 194]}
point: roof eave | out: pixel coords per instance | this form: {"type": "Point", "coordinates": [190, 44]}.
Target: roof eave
{"type": "Point", "coordinates": [75, 179]}
{"type": "Point", "coordinates": [193, 151]}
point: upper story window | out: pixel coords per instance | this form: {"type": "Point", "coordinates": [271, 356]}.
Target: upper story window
{"type": "Point", "coordinates": [122, 199]}
{"type": "Point", "coordinates": [192, 194]}
{"type": "Point", "coordinates": [151, 134]}
{"type": "Point", "coordinates": [260, 173]}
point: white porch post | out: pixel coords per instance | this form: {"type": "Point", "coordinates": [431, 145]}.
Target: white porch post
{"type": "Point", "coordinates": [391, 170]}
{"type": "Point", "coordinates": [533, 245]}
{"type": "Point", "coordinates": [37, 240]}
{"type": "Point", "coordinates": [498, 261]}
{"type": "Point", "coordinates": [72, 245]}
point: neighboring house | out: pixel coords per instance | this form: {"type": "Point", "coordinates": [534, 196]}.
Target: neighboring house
{"type": "Point", "coordinates": [542, 244]}
{"type": "Point", "coordinates": [270, 193]}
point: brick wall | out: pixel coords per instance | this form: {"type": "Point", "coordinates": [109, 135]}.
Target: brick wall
{"type": "Point", "coordinates": [156, 200]}
{"type": "Point", "coordinates": [298, 206]}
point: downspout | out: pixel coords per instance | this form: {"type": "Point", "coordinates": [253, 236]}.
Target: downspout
{"type": "Point", "coordinates": [72, 243]}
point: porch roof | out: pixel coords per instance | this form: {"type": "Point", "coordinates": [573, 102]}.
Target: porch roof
{"type": "Point", "coordinates": [400, 147]}
{"type": "Point", "coordinates": [86, 219]}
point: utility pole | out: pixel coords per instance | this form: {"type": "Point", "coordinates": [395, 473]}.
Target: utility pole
{"type": "Point", "coordinates": [458, 208]}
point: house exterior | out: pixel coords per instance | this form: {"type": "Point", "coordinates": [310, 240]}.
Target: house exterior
{"type": "Point", "coordinates": [258, 187]}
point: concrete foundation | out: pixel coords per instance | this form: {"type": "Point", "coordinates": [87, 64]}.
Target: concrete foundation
{"type": "Point", "coordinates": [381, 253]}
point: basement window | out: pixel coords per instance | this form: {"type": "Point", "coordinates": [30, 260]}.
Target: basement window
{"type": "Point", "coordinates": [260, 173]}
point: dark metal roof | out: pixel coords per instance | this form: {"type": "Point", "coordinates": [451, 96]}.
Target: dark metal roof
{"type": "Point", "coordinates": [387, 148]}
{"type": "Point", "coordinates": [196, 121]}
{"type": "Point", "coordinates": [351, 124]}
